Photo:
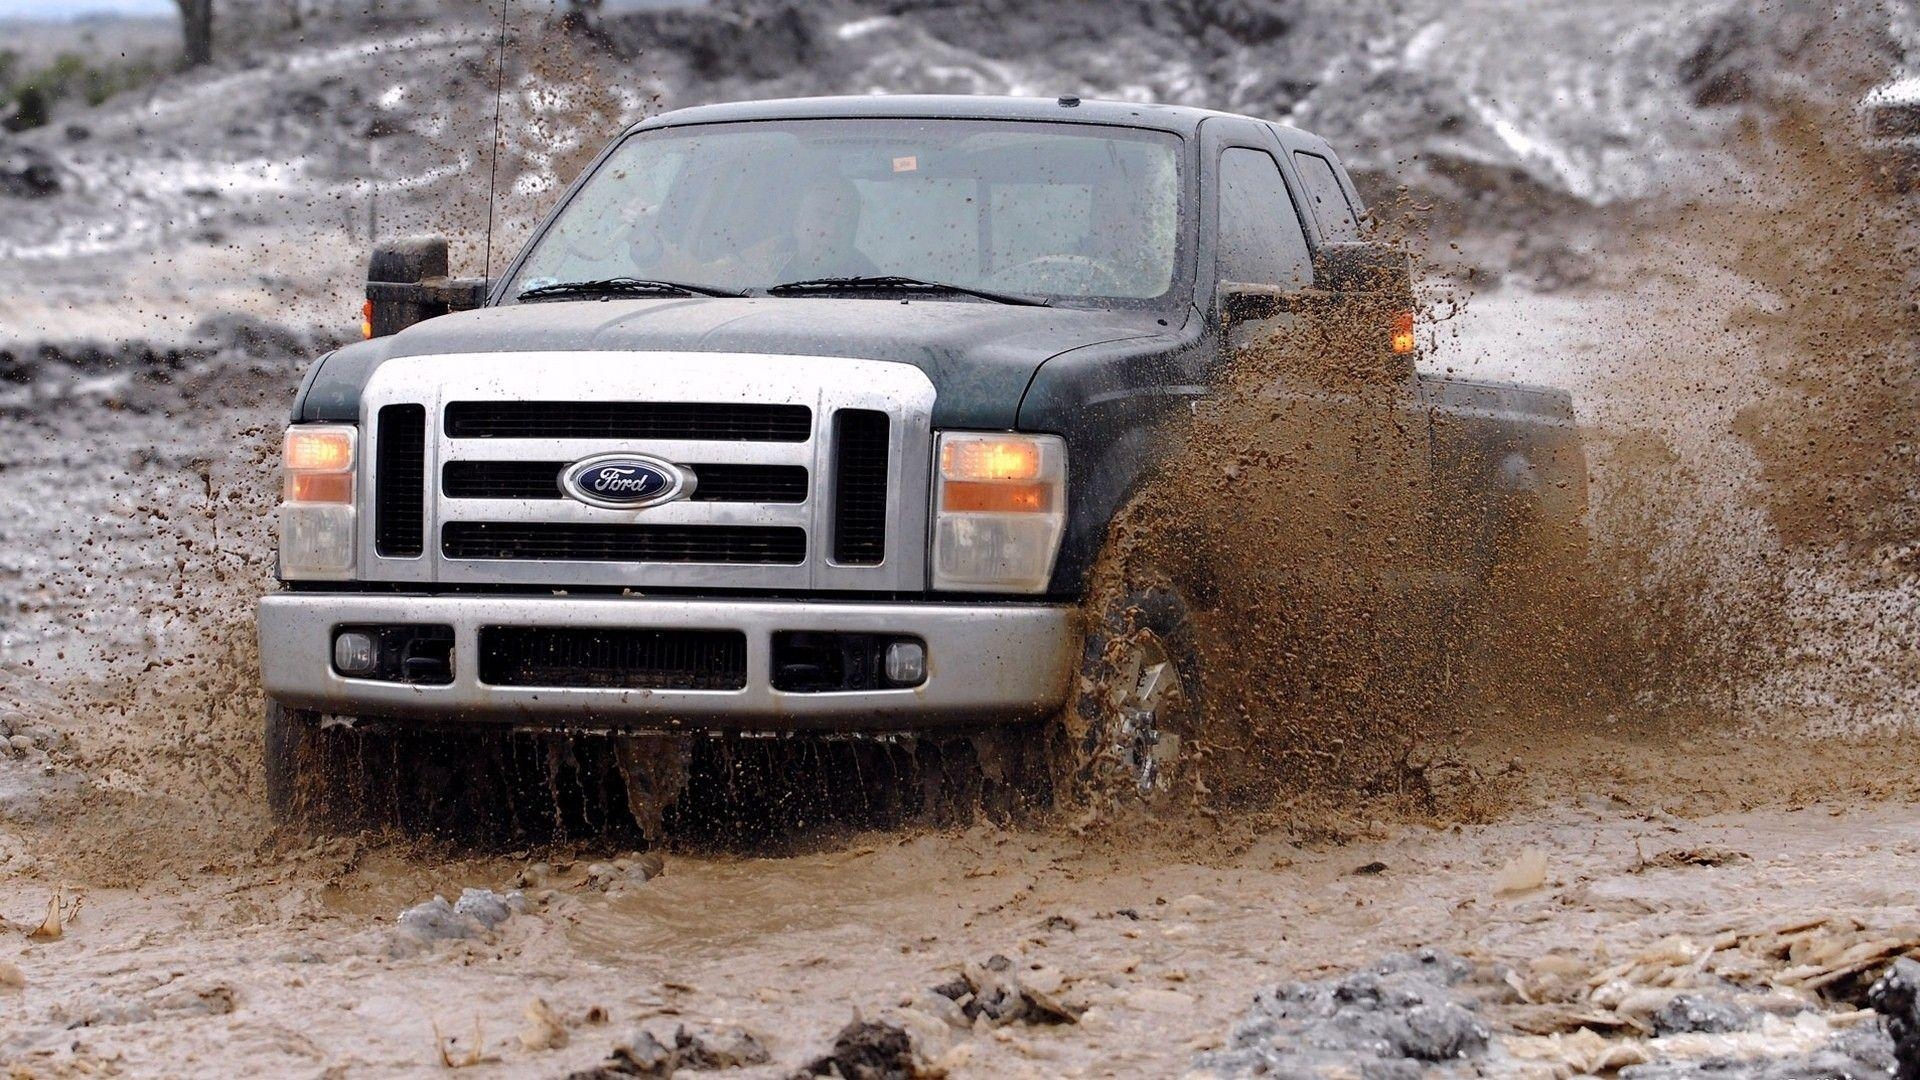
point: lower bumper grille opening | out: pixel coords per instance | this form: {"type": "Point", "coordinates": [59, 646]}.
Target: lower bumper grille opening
{"type": "Point", "coordinates": [624, 543]}
{"type": "Point", "coordinates": [617, 658]}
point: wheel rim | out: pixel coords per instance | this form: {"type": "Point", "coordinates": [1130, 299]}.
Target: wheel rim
{"type": "Point", "coordinates": [1150, 703]}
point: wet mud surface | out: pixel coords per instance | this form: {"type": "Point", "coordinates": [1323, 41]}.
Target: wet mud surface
{"type": "Point", "coordinates": [298, 959]}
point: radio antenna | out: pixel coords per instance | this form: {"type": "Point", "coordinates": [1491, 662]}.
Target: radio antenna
{"type": "Point", "coordinates": [493, 164]}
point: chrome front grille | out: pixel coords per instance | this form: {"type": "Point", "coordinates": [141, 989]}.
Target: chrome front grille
{"type": "Point", "coordinates": [811, 472]}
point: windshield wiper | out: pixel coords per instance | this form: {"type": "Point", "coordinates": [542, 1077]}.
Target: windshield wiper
{"type": "Point", "coordinates": [895, 281]}
{"type": "Point", "coordinates": [622, 286]}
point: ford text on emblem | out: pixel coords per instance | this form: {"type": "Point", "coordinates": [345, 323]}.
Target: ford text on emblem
{"type": "Point", "coordinates": [625, 481]}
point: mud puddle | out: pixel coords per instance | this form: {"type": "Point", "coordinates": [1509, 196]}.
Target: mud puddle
{"type": "Point", "coordinates": [297, 960]}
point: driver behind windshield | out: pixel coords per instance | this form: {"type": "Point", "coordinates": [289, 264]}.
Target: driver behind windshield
{"type": "Point", "coordinates": [824, 225]}
{"type": "Point", "coordinates": [812, 239]}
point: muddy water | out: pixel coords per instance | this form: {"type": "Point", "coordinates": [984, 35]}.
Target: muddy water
{"type": "Point", "coordinates": [287, 961]}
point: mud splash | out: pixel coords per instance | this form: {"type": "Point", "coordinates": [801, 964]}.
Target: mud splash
{"type": "Point", "coordinates": [1743, 365]}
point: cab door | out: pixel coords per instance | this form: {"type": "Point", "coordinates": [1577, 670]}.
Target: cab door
{"type": "Point", "coordinates": [1342, 438]}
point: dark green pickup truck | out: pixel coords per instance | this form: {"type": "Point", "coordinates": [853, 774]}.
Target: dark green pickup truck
{"type": "Point", "coordinates": [809, 416]}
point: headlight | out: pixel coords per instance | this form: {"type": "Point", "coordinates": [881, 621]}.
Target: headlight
{"type": "Point", "coordinates": [1000, 507]}
{"type": "Point", "coordinates": [316, 507]}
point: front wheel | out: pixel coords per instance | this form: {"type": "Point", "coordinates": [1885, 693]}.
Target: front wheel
{"type": "Point", "coordinates": [1133, 725]}
{"type": "Point", "coordinates": [470, 782]}
{"type": "Point", "coordinates": [308, 769]}
{"type": "Point", "coordinates": [335, 774]}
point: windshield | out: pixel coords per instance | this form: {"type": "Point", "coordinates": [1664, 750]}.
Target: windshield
{"type": "Point", "coordinates": [1050, 210]}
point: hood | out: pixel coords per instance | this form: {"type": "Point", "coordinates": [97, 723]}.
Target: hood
{"type": "Point", "coordinates": [979, 356]}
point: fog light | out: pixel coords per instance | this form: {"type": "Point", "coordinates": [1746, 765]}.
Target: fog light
{"type": "Point", "coordinates": [353, 653]}
{"type": "Point", "coordinates": [906, 663]}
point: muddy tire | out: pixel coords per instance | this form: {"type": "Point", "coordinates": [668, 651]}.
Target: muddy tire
{"type": "Point", "coordinates": [306, 768]}
{"type": "Point", "coordinates": [1131, 729]}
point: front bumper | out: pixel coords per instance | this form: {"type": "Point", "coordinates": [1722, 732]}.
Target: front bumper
{"type": "Point", "coordinates": [986, 663]}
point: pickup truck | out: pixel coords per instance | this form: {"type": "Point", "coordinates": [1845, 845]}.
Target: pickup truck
{"type": "Point", "coordinates": [812, 417]}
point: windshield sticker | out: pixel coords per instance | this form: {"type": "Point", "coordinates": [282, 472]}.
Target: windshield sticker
{"type": "Point", "coordinates": [906, 164]}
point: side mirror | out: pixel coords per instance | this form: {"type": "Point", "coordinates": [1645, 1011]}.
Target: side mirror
{"type": "Point", "coordinates": [1245, 302]}
{"type": "Point", "coordinates": [407, 283]}
{"type": "Point", "coordinates": [1364, 267]}
{"type": "Point", "coordinates": [1362, 299]}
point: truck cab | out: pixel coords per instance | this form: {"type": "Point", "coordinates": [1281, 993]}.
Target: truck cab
{"type": "Point", "coordinates": [798, 416]}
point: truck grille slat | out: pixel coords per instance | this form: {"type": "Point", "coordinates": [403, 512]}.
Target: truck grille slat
{"type": "Point", "coordinates": [624, 543]}
{"type": "Point", "coordinates": [860, 487]}
{"type": "Point", "coordinates": [712, 421]}
{"type": "Point", "coordinates": [616, 658]}
{"type": "Point", "coordinates": [399, 482]}
{"type": "Point", "coordinates": [541, 480]}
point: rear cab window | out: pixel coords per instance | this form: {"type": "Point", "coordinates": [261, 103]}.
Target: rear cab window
{"type": "Point", "coordinates": [1331, 208]}
{"type": "Point", "coordinates": [1261, 239]}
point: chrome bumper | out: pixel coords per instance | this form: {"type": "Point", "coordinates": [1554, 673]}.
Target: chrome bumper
{"type": "Point", "coordinates": [986, 663]}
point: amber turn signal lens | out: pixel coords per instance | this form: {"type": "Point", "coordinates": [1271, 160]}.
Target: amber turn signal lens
{"type": "Point", "coordinates": [366, 319]}
{"type": "Point", "coordinates": [318, 450]}
{"type": "Point", "coordinates": [1403, 333]}
{"type": "Point", "coordinates": [990, 459]}
{"type": "Point", "coordinates": [319, 488]}
{"type": "Point", "coordinates": [966, 497]}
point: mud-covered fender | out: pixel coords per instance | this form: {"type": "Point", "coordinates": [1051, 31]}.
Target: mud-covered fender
{"type": "Point", "coordinates": [330, 393]}
{"type": "Point", "coordinates": [1111, 403]}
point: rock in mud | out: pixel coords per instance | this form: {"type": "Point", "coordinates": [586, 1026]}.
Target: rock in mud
{"type": "Point", "coordinates": [435, 920]}
{"type": "Point", "coordinates": [1860, 1053]}
{"type": "Point", "coordinates": [476, 912]}
{"type": "Point", "coordinates": [1895, 995]}
{"type": "Point", "coordinates": [1399, 1018]}
{"type": "Point", "coordinates": [640, 1055]}
{"type": "Point", "coordinates": [867, 1050]}
{"type": "Point", "coordinates": [1526, 872]}
{"type": "Point", "coordinates": [489, 908]}
{"type": "Point", "coordinates": [545, 1030]}
{"type": "Point", "coordinates": [1688, 1013]}
{"type": "Point", "coordinates": [624, 872]}
{"type": "Point", "coordinates": [717, 1048]}
{"type": "Point", "coordinates": [1001, 994]}
{"type": "Point", "coordinates": [26, 173]}
{"type": "Point", "coordinates": [695, 1049]}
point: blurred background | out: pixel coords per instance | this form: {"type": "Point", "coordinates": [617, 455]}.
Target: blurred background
{"type": "Point", "coordinates": [165, 160]}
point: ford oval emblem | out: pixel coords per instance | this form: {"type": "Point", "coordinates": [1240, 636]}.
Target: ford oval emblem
{"type": "Point", "coordinates": [625, 481]}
